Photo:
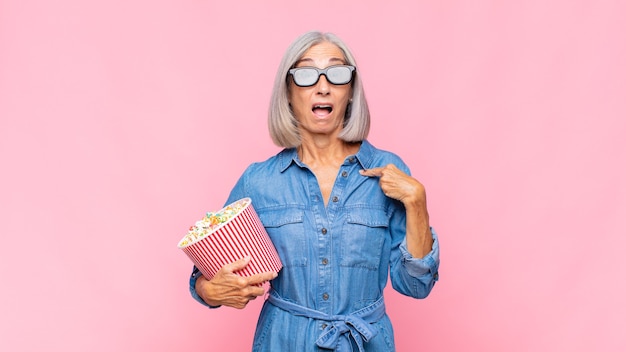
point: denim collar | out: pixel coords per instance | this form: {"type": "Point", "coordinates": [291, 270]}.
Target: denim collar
{"type": "Point", "coordinates": [289, 156]}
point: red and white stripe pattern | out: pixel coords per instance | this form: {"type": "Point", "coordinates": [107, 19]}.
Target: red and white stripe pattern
{"type": "Point", "coordinates": [243, 235]}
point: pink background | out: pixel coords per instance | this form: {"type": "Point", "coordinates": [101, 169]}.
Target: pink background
{"type": "Point", "coordinates": [122, 122]}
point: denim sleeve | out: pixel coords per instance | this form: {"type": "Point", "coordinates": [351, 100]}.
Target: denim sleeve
{"type": "Point", "coordinates": [411, 276]}
{"type": "Point", "coordinates": [415, 277]}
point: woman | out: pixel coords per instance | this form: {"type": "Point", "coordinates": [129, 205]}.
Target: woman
{"type": "Point", "coordinates": [342, 214]}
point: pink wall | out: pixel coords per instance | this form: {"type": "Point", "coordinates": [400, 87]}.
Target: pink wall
{"type": "Point", "coordinates": [121, 122]}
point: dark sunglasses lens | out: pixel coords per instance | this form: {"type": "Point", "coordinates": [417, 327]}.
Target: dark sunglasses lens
{"type": "Point", "coordinates": [339, 75]}
{"type": "Point", "coordinates": [305, 77]}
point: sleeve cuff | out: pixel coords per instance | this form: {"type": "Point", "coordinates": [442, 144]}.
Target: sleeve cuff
{"type": "Point", "coordinates": [417, 267]}
{"type": "Point", "coordinates": [195, 274]}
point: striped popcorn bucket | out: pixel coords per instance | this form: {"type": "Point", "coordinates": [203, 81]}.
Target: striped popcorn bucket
{"type": "Point", "coordinates": [227, 236]}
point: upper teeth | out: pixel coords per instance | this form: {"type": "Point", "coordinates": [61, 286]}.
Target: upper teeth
{"type": "Point", "coordinates": [321, 106]}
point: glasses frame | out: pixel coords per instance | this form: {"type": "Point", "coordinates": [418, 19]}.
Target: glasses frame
{"type": "Point", "coordinates": [320, 72]}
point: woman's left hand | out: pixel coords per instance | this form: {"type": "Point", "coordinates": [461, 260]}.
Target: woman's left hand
{"type": "Point", "coordinates": [398, 185]}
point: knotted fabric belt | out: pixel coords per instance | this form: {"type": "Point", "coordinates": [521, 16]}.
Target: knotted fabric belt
{"type": "Point", "coordinates": [340, 328]}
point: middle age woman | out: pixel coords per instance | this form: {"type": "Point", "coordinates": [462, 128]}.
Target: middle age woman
{"type": "Point", "coordinates": [343, 215]}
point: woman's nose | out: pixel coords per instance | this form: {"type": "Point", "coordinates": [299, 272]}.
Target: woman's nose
{"type": "Point", "coordinates": [323, 86]}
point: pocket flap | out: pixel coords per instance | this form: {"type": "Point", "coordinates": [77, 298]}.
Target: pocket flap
{"type": "Point", "coordinates": [280, 217]}
{"type": "Point", "coordinates": [371, 217]}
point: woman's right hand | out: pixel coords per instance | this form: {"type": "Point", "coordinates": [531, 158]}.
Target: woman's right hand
{"type": "Point", "coordinates": [229, 289]}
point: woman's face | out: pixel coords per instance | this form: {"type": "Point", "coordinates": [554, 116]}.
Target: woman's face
{"type": "Point", "coordinates": [320, 108]}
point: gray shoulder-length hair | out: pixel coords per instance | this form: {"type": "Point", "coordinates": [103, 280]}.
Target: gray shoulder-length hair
{"type": "Point", "coordinates": [282, 122]}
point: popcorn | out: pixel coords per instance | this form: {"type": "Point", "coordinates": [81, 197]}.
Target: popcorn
{"type": "Point", "coordinates": [211, 221]}
{"type": "Point", "coordinates": [222, 237]}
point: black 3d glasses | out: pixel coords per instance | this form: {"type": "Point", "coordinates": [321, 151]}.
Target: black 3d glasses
{"type": "Point", "coordinates": [308, 76]}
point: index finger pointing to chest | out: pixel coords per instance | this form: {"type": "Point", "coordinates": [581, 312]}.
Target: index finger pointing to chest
{"type": "Point", "coordinates": [374, 172]}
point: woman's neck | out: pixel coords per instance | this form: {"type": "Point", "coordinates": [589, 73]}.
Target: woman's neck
{"type": "Point", "coordinates": [325, 151]}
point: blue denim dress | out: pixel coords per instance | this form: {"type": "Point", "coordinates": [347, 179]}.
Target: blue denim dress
{"type": "Point", "coordinates": [337, 258]}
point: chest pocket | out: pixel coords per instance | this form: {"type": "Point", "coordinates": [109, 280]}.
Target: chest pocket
{"type": "Point", "coordinates": [285, 226]}
{"type": "Point", "coordinates": [363, 237]}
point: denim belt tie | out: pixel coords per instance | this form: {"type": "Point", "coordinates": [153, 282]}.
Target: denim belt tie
{"type": "Point", "coordinates": [335, 336]}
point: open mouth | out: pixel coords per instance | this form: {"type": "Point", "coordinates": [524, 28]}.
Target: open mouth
{"type": "Point", "coordinates": [322, 110]}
